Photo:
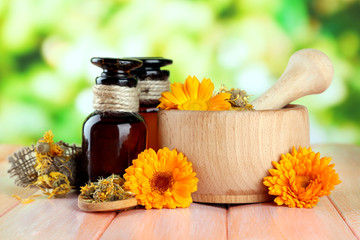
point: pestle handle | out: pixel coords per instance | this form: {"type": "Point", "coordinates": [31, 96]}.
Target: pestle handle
{"type": "Point", "coordinates": [309, 71]}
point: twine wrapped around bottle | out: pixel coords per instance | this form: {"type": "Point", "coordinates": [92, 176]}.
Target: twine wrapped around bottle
{"type": "Point", "coordinates": [115, 98]}
{"type": "Point", "coordinates": [150, 90]}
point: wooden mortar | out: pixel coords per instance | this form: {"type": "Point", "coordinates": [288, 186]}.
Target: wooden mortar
{"type": "Point", "coordinates": [232, 151]}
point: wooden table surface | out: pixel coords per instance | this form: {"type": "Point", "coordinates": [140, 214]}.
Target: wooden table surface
{"type": "Point", "coordinates": [335, 217]}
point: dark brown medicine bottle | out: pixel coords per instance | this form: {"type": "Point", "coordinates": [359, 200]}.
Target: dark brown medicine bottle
{"type": "Point", "coordinates": [152, 81]}
{"type": "Point", "coordinates": [112, 136]}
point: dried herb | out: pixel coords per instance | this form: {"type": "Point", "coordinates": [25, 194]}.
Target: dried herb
{"type": "Point", "coordinates": [54, 184]}
{"type": "Point", "coordinates": [239, 99]}
{"type": "Point", "coordinates": [49, 165]}
{"type": "Point", "coordinates": [105, 190]}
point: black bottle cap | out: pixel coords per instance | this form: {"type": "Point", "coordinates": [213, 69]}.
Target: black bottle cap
{"type": "Point", "coordinates": [150, 70]}
{"type": "Point", "coordinates": [116, 71]}
{"type": "Point", "coordinates": [116, 64]}
{"type": "Point", "coordinates": [152, 62]}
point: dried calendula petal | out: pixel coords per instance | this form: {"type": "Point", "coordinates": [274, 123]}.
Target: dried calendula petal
{"type": "Point", "coordinates": [27, 200]}
{"type": "Point", "coordinates": [53, 166]}
{"type": "Point", "coordinates": [54, 185]}
{"type": "Point", "coordinates": [36, 195]}
{"type": "Point", "coordinates": [24, 201]}
{"type": "Point", "coordinates": [16, 196]}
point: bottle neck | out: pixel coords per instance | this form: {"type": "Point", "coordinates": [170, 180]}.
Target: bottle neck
{"type": "Point", "coordinates": [124, 80]}
{"type": "Point", "coordinates": [151, 74]}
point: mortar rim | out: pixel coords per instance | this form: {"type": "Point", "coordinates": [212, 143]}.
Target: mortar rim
{"type": "Point", "coordinates": [289, 107]}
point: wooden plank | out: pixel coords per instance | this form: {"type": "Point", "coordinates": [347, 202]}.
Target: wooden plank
{"type": "Point", "coordinates": [336, 217]}
{"type": "Point", "coordinates": [326, 222]}
{"type": "Point", "coordinates": [346, 196]}
{"type": "Point", "coordinates": [44, 218]}
{"type": "Point", "coordinates": [53, 219]}
{"type": "Point", "coordinates": [8, 188]}
{"type": "Point", "coordinates": [268, 221]}
{"type": "Point", "coordinates": [199, 221]}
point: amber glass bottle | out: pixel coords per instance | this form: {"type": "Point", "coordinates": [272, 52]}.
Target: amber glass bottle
{"type": "Point", "coordinates": [152, 81]}
{"type": "Point", "coordinates": [112, 136]}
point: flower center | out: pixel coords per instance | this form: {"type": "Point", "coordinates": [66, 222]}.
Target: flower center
{"type": "Point", "coordinates": [195, 105]}
{"type": "Point", "coordinates": [161, 181]}
{"type": "Point", "coordinates": [303, 181]}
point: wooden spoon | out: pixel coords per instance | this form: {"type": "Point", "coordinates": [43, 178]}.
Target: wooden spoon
{"type": "Point", "coordinates": [106, 206]}
{"type": "Point", "coordinates": [309, 71]}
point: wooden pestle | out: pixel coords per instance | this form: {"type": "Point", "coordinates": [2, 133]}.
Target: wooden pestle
{"type": "Point", "coordinates": [309, 71]}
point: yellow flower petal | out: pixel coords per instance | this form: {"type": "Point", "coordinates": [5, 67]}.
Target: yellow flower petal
{"type": "Point", "coordinates": [219, 102]}
{"type": "Point", "coordinates": [194, 95]}
{"type": "Point", "coordinates": [205, 89]}
{"type": "Point", "coordinates": [192, 86]}
{"type": "Point", "coordinates": [178, 92]}
{"type": "Point", "coordinates": [170, 97]}
{"type": "Point", "coordinates": [166, 104]}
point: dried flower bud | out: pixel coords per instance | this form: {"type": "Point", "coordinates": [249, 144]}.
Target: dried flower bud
{"type": "Point", "coordinates": [43, 147]}
{"type": "Point", "coordinates": [239, 99]}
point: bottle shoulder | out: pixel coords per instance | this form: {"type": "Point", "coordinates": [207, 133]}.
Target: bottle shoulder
{"type": "Point", "coordinates": [114, 117]}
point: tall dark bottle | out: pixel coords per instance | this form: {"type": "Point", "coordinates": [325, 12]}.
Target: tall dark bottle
{"type": "Point", "coordinates": [115, 133]}
{"type": "Point", "coordinates": [152, 82]}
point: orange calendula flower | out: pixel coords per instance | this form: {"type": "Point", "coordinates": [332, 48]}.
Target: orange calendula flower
{"type": "Point", "coordinates": [194, 95]}
{"type": "Point", "coordinates": [301, 178]}
{"type": "Point", "coordinates": [161, 180]}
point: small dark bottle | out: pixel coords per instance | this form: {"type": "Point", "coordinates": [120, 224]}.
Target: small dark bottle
{"type": "Point", "coordinates": [152, 81]}
{"type": "Point", "coordinates": [112, 136]}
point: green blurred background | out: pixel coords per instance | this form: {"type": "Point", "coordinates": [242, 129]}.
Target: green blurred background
{"type": "Point", "coordinates": [45, 48]}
